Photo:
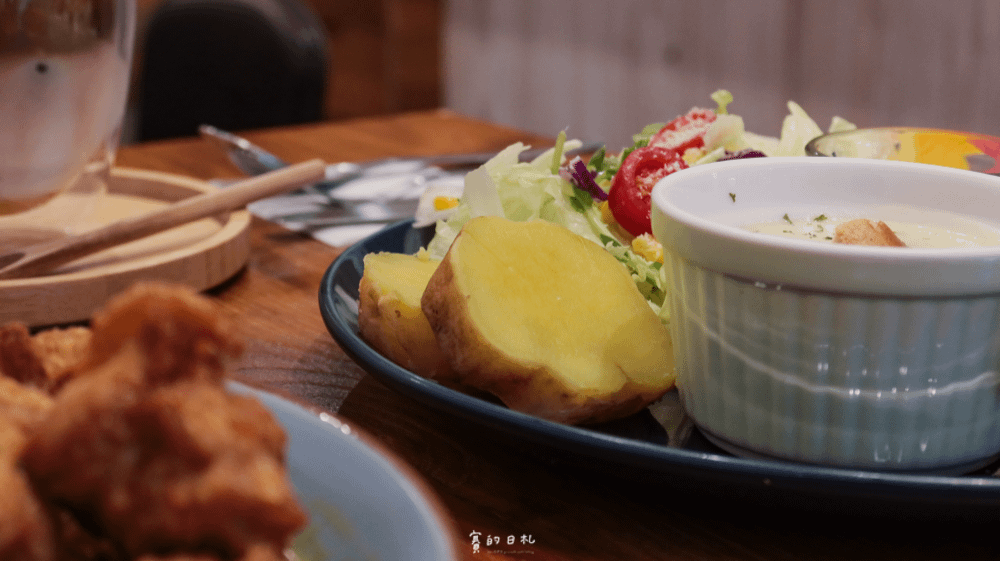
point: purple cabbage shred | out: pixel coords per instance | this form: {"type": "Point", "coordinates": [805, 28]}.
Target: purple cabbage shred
{"type": "Point", "coordinates": [746, 153]}
{"type": "Point", "coordinates": [584, 179]}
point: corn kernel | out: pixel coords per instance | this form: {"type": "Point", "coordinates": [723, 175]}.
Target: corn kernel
{"type": "Point", "coordinates": [692, 155]}
{"type": "Point", "coordinates": [606, 215]}
{"type": "Point", "coordinates": [647, 246]}
{"type": "Point", "coordinates": [442, 202]}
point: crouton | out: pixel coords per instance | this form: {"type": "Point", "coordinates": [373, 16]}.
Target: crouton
{"type": "Point", "coordinates": [864, 232]}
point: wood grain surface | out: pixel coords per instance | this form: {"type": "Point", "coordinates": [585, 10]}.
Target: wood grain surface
{"type": "Point", "coordinates": [199, 253]}
{"type": "Point", "coordinates": [570, 509]}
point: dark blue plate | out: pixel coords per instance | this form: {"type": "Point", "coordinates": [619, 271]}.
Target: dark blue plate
{"type": "Point", "coordinates": [652, 444]}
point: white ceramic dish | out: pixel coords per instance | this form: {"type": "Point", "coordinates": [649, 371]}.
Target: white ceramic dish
{"type": "Point", "coordinates": [862, 357]}
{"type": "Point", "coordinates": [363, 503]}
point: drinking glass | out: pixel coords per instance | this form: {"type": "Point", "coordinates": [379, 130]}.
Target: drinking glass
{"type": "Point", "coordinates": [64, 77]}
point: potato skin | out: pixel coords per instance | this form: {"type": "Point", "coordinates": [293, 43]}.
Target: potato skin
{"type": "Point", "coordinates": [398, 329]}
{"type": "Point", "coordinates": [444, 307]}
{"type": "Point", "coordinates": [530, 388]}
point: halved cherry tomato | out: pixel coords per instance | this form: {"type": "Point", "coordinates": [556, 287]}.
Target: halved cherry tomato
{"type": "Point", "coordinates": [686, 131]}
{"type": "Point", "coordinates": [629, 197]}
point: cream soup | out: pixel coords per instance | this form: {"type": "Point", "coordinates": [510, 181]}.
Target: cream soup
{"type": "Point", "coordinates": [940, 230]}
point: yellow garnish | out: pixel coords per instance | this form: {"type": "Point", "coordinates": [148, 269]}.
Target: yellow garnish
{"type": "Point", "coordinates": [606, 215]}
{"type": "Point", "coordinates": [442, 202]}
{"type": "Point", "coordinates": [939, 148]}
{"type": "Point", "coordinates": [647, 246]}
{"type": "Point", "coordinates": [423, 254]}
{"type": "Point", "coordinates": [692, 155]}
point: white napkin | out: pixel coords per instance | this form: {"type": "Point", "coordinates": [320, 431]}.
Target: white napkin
{"type": "Point", "coordinates": [406, 187]}
{"type": "Point", "coordinates": [276, 207]}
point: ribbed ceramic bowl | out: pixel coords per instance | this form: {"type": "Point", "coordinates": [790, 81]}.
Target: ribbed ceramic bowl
{"type": "Point", "coordinates": [865, 357]}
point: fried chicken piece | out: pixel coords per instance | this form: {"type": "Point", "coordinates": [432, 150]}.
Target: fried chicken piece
{"type": "Point", "coordinates": [30, 529]}
{"type": "Point", "coordinates": [183, 467]}
{"type": "Point", "coordinates": [18, 360]}
{"type": "Point", "coordinates": [61, 352]}
{"type": "Point", "coordinates": [179, 557]}
{"type": "Point", "coordinates": [76, 543]}
{"type": "Point", "coordinates": [44, 360]}
{"type": "Point", "coordinates": [26, 533]}
{"type": "Point", "coordinates": [254, 553]}
{"type": "Point", "coordinates": [262, 552]}
{"type": "Point", "coordinates": [25, 530]}
{"type": "Point", "coordinates": [864, 232]}
{"type": "Point", "coordinates": [24, 407]}
{"type": "Point", "coordinates": [150, 446]}
{"type": "Point", "coordinates": [177, 333]}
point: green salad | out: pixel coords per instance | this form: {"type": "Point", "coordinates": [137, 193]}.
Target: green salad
{"type": "Point", "coordinates": [606, 199]}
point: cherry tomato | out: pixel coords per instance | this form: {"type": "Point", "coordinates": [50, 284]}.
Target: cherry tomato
{"type": "Point", "coordinates": [629, 197]}
{"type": "Point", "coordinates": [686, 131]}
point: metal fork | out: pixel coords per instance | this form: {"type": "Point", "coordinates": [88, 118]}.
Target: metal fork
{"type": "Point", "coordinates": [252, 160]}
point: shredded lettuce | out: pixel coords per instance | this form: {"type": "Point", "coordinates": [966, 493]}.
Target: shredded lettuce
{"type": "Point", "coordinates": [726, 132]}
{"type": "Point", "coordinates": [557, 152]}
{"type": "Point", "coordinates": [797, 129]}
{"type": "Point", "coordinates": [838, 124]}
{"type": "Point", "coordinates": [503, 186]}
{"type": "Point", "coordinates": [722, 98]}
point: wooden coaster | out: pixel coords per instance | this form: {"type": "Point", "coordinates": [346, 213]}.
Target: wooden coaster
{"type": "Point", "coordinates": [199, 254]}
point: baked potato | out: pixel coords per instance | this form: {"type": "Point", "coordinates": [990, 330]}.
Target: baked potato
{"type": "Point", "coordinates": [547, 321]}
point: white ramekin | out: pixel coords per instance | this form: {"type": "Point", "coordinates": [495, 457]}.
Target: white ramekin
{"type": "Point", "coordinates": [848, 356]}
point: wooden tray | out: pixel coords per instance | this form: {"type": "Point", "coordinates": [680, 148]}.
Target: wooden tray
{"type": "Point", "coordinates": [200, 254]}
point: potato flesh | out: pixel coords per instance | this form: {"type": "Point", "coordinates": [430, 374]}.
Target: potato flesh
{"type": "Point", "coordinates": [529, 282]}
{"type": "Point", "coordinates": [389, 314]}
{"type": "Point", "coordinates": [547, 321]}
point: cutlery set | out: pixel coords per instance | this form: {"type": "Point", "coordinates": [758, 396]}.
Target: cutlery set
{"type": "Point", "coordinates": [409, 175]}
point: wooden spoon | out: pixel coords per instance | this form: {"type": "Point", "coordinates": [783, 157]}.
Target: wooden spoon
{"type": "Point", "coordinates": [42, 258]}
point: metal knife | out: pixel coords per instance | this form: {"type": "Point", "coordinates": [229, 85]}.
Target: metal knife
{"type": "Point", "coordinates": [361, 213]}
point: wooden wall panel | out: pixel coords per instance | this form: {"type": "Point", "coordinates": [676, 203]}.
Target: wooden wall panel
{"type": "Point", "coordinates": [384, 56]}
{"type": "Point", "coordinates": [604, 70]}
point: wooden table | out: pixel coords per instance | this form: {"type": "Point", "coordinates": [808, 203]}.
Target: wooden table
{"type": "Point", "coordinates": [492, 485]}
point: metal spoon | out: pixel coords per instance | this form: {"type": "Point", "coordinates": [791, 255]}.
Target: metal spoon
{"type": "Point", "coordinates": [44, 257]}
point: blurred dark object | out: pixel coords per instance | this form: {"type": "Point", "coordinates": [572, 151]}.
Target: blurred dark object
{"type": "Point", "coordinates": [236, 64]}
